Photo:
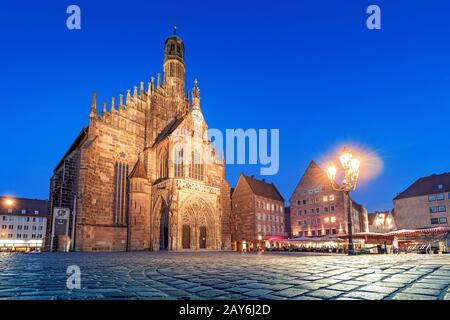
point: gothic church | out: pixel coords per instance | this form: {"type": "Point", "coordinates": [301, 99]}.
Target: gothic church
{"type": "Point", "coordinates": [143, 175]}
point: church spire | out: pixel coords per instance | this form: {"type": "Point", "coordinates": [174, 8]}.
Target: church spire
{"type": "Point", "coordinates": [93, 112]}
{"type": "Point", "coordinates": [196, 95]}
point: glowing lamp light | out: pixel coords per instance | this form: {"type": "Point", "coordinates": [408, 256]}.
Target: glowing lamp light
{"type": "Point", "coordinates": [331, 173]}
{"type": "Point", "coordinates": [9, 202]}
{"type": "Point", "coordinates": [345, 158]}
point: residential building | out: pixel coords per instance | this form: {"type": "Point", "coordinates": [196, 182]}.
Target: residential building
{"type": "Point", "coordinates": [258, 212]}
{"type": "Point", "coordinates": [424, 204]}
{"type": "Point", "coordinates": [318, 210]}
{"type": "Point", "coordinates": [22, 224]}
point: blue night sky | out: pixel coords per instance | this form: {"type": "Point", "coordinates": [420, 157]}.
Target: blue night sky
{"type": "Point", "coordinates": [310, 68]}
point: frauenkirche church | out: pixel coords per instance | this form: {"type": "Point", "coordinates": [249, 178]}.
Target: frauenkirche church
{"type": "Point", "coordinates": [136, 177]}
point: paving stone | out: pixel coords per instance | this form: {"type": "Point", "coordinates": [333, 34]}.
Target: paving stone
{"type": "Point", "coordinates": [258, 292]}
{"type": "Point", "coordinates": [225, 275]}
{"type": "Point", "coordinates": [378, 289]}
{"type": "Point", "coordinates": [291, 292]}
{"type": "Point", "coordinates": [429, 292]}
{"type": "Point", "coordinates": [324, 293]}
{"type": "Point", "coordinates": [343, 287]}
{"type": "Point", "coordinates": [366, 295]}
{"type": "Point", "coordinates": [211, 293]}
{"type": "Point", "coordinates": [411, 296]}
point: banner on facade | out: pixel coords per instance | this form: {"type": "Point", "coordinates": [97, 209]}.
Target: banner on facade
{"type": "Point", "coordinates": [60, 221]}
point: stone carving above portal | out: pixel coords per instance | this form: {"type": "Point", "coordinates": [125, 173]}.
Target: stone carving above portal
{"type": "Point", "coordinates": [186, 184]}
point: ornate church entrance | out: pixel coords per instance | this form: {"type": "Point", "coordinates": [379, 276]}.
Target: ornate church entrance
{"type": "Point", "coordinates": [198, 228]}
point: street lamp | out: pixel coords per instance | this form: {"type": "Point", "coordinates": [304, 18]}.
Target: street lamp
{"type": "Point", "coordinates": [9, 202]}
{"type": "Point", "coordinates": [348, 184]}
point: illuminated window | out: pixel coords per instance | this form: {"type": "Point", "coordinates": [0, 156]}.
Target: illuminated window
{"type": "Point", "coordinates": [325, 198]}
{"type": "Point", "coordinates": [326, 220]}
{"type": "Point", "coordinates": [331, 197]}
{"type": "Point", "coordinates": [333, 219]}
{"type": "Point", "coordinates": [23, 211]}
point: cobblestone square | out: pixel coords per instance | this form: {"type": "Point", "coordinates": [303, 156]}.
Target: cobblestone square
{"type": "Point", "coordinates": [225, 275]}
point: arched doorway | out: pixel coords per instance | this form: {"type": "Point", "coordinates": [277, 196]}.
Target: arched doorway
{"type": "Point", "coordinates": [198, 225]}
{"type": "Point", "coordinates": [186, 237]}
{"type": "Point", "coordinates": [164, 229]}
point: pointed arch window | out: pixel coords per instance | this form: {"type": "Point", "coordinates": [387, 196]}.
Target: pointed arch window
{"type": "Point", "coordinates": [196, 166]}
{"type": "Point", "coordinates": [178, 162]}
{"type": "Point", "coordinates": [163, 171]}
{"type": "Point", "coordinates": [120, 192]}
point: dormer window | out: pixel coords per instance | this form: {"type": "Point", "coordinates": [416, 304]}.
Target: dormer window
{"type": "Point", "coordinates": [440, 186]}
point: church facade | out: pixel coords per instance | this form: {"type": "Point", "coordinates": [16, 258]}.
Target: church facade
{"type": "Point", "coordinates": [143, 174]}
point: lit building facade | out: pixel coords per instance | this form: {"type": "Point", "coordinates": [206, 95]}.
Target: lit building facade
{"type": "Point", "coordinates": [22, 224]}
{"type": "Point", "coordinates": [258, 212]}
{"type": "Point", "coordinates": [381, 222]}
{"type": "Point", "coordinates": [318, 210]}
{"type": "Point", "coordinates": [143, 175]}
{"type": "Point", "coordinates": [424, 204]}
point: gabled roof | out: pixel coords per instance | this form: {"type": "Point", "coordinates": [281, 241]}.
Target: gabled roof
{"type": "Point", "coordinates": [313, 169]}
{"type": "Point", "coordinates": [171, 126]}
{"type": "Point", "coordinates": [138, 170]}
{"type": "Point", "coordinates": [263, 189]}
{"type": "Point", "coordinates": [75, 145]}
{"type": "Point", "coordinates": [427, 185]}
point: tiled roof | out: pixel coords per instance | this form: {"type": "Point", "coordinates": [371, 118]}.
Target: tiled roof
{"type": "Point", "coordinates": [19, 204]}
{"type": "Point", "coordinates": [427, 185]}
{"type": "Point", "coordinates": [263, 189]}
{"type": "Point", "coordinates": [76, 144]}
{"type": "Point", "coordinates": [173, 124]}
{"type": "Point", "coordinates": [138, 170]}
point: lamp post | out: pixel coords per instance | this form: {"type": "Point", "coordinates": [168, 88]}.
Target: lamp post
{"type": "Point", "coordinates": [348, 184]}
